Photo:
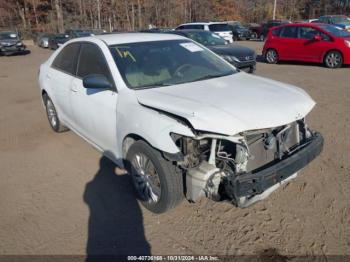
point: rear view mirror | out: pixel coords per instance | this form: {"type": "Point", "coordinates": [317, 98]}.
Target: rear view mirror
{"type": "Point", "coordinates": [317, 38]}
{"type": "Point", "coordinates": [97, 81]}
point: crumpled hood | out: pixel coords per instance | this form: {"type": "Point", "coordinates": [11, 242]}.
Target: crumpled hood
{"type": "Point", "coordinates": [231, 104]}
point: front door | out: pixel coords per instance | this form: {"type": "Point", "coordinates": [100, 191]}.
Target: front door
{"type": "Point", "coordinates": [94, 110]}
{"type": "Point", "coordinates": [312, 49]}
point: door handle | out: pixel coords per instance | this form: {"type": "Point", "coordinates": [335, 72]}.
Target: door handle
{"type": "Point", "coordinates": [48, 76]}
{"type": "Point", "coordinates": [74, 88]}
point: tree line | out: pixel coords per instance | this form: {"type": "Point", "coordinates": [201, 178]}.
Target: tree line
{"type": "Point", "coordinates": [30, 16]}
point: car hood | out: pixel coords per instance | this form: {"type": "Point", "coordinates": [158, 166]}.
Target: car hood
{"type": "Point", "coordinates": [232, 49]}
{"type": "Point", "coordinates": [343, 24]}
{"type": "Point", "coordinates": [231, 104]}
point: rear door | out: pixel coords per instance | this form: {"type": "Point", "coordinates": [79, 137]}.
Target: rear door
{"type": "Point", "coordinates": [60, 76]}
{"type": "Point", "coordinates": [94, 109]}
{"type": "Point", "coordinates": [288, 43]}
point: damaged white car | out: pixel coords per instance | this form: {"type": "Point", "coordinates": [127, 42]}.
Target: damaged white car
{"type": "Point", "coordinates": [184, 122]}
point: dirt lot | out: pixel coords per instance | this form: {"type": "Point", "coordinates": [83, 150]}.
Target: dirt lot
{"type": "Point", "coordinates": [57, 196]}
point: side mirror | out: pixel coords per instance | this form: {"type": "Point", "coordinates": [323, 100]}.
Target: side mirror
{"type": "Point", "coordinates": [317, 38]}
{"type": "Point", "coordinates": [97, 81]}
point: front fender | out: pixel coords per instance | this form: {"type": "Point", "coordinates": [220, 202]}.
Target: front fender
{"type": "Point", "coordinates": [153, 126]}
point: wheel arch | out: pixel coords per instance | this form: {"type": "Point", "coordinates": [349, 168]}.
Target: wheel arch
{"type": "Point", "coordinates": [330, 50]}
{"type": "Point", "coordinates": [129, 140]}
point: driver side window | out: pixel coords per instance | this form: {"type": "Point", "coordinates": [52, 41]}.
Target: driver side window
{"type": "Point", "coordinates": [92, 61]}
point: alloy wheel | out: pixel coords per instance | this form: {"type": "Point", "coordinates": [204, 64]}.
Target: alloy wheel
{"type": "Point", "coordinates": [51, 113]}
{"type": "Point", "coordinates": [271, 56]}
{"type": "Point", "coordinates": [146, 179]}
{"type": "Point", "coordinates": [334, 60]}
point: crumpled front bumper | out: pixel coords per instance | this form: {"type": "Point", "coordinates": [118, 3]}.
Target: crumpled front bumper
{"type": "Point", "coordinates": [252, 187]}
{"type": "Point", "coordinates": [12, 49]}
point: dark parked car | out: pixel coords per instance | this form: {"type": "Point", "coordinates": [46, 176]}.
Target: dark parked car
{"type": "Point", "coordinates": [55, 41]}
{"type": "Point", "coordinates": [241, 57]}
{"type": "Point", "coordinates": [272, 23]}
{"type": "Point", "coordinates": [10, 43]}
{"type": "Point", "coordinates": [240, 32]}
{"type": "Point", "coordinates": [341, 21]}
{"type": "Point", "coordinates": [75, 33]}
{"type": "Point", "coordinates": [255, 30]}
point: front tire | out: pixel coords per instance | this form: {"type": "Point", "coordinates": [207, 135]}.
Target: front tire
{"type": "Point", "coordinates": [271, 56]}
{"type": "Point", "coordinates": [333, 59]}
{"type": "Point", "coordinates": [52, 116]}
{"type": "Point", "coordinates": [159, 186]}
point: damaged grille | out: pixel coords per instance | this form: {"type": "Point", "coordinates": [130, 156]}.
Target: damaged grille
{"type": "Point", "coordinates": [270, 145]}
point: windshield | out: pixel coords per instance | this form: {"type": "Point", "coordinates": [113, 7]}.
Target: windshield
{"type": "Point", "coordinates": [165, 63]}
{"type": "Point", "coordinates": [335, 31]}
{"type": "Point", "coordinates": [9, 35]}
{"type": "Point", "coordinates": [206, 38]}
{"type": "Point", "coordinates": [340, 19]}
{"type": "Point", "coordinates": [61, 36]}
{"type": "Point", "coordinates": [219, 27]}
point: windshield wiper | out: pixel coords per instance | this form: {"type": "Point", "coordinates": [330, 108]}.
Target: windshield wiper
{"type": "Point", "coordinates": [158, 84]}
{"type": "Point", "coordinates": [206, 77]}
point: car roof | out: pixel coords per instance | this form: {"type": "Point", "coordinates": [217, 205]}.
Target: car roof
{"type": "Point", "coordinates": [122, 38]}
{"type": "Point", "coordinates": [204, 23]}
{"type": "Point", "coordinates": [193, 31]}
{"type": "Point", "coordinates": [301, 24]}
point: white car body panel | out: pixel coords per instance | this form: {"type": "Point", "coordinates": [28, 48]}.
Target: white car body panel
{"type": "Point", "coordinates": [231, 104]}
{"type": "Point", "coordinates": [226, 105]}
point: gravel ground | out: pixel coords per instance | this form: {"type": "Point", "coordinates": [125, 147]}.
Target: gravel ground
{"type": "Point", "coordinates": [57, 196]}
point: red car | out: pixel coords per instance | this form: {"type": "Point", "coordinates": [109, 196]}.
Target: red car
{"type": "Point", "coordinates": [320, 43]}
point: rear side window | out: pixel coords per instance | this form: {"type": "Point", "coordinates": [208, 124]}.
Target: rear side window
{"type": "Point", "coordinates": [66, 60]}
{"type": "Point", "coordinates": [200, 27]}
{"type": "Point", "coordinates": [92, 61]}
{"type": "Point", "coordinates": [289, 32]}
{"type": "Point", "coordinates": [219, 27]}
{"type": "Point", "coordinates": [276, 32]}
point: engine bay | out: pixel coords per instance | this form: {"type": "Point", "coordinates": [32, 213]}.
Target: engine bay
{"type": "Point", "coordinates": [212, 163]}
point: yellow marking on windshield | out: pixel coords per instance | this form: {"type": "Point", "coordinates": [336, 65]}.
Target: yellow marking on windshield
{"type": "Point", "coordinates": [125, 54]}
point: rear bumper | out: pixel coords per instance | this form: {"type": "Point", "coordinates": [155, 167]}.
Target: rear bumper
{"type": "Point", "coordinates": [251, 185]}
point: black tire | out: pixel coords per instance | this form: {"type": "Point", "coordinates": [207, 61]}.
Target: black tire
{"type": "Point", "coordinates": [52, 116]}
{"type": "Point", "coordinates": [271, 56]}
{"type": "Point", "coordinates": [254, 35]}
{"type": "Point", "coordinates": [169, 181]}
{"type": "Point", "coordinates": [262, 38]}
{"type": "Point", "coordinates": [333, 59]}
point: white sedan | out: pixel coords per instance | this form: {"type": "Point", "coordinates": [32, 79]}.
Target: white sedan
{"type": "Point", "coordinates": [184, 122]}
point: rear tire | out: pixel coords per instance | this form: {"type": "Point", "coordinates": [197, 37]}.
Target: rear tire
{"type": "Point", "coordinates": [271, 56]}
{"type": "Point", "coordinates": [333, 59]}
{"type": "Point", "coordinates": [157, 183]}
{"type": "Point", "coordinates": [52, 116]}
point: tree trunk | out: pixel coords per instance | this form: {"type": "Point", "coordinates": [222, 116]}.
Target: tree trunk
{"type": "Point", "coordinates": [98, 14]}
{"type": "Point", "coordinates": [35, 14]}
{"type": "Point", "coordinates": [60, 25]}
{"type": "Point", "coordinates": [21, 14]}
{"type": "Point", "coordinates": [139, 14]}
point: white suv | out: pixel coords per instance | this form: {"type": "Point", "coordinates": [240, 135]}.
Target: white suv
{"type": "Point", "coordinates": [222, 29]}
{"type": "Point", "coordinates": [183, 121]}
